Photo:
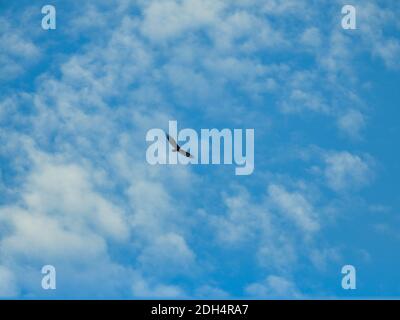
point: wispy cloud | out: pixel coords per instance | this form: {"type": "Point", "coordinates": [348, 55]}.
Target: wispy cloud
{"type": "Point", "coordinates": [274, 287]}
{"type": "Point", "coordinates": [345, 170]}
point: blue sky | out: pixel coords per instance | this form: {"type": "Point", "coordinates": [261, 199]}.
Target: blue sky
{"type": "Point", "coordinates": [77, 193]}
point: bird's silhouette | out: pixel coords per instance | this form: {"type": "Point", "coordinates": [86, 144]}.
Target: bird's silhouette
{"type": "Point", "coordinates": [177, 148]}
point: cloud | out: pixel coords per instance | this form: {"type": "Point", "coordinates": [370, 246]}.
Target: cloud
{"type": "Point", "coordinates": [389, 51]}
{"type": "Point", "coordinates": [345, 170]}
{"type": "Point", "coordinates": [260, 226]}
{"type": "Point", "coordinates": [311, 37]}
{"type": "Point", "coordinates": [244, 220]}
{"type": "Point", "coordinates": [8, 286]}
{"type": "Point", "coordinates": [351, 123]}
{"type": "Point", "coordinates": [211, 292]}
{"type": "Point", "coordinates": [65, 189]}
{"type": "Point", "coordinates": [71, 180]}
{"type": "Point", "coordinates": [295, 206]}
{"type": "Point", "coordinates": [273, 287]}
{"type": "Point", "coordinates": [142, 289]}
{"type": "Point", "coordinates": [60, 219]}
{"type": "Point", "coordinates": [18, 52]}
{"type": "Point", "coordinates": [63, 219]}
{"type": "Point", "coordinates": [374, 20]}
{"type": "Point", "coordinates": [280, 7]}
{"type": "Point", "coordinates": [168, 254]}
{"type": "Point", "coordinates": [278, 252]}
{"type": "Point", "coordinates": [164, 20]}
{"type": "Point", "coordinates": [302, 96]}
{"type": "Point", "coordinates": [29, 241]}
{"type": "Point", "coordinates": [322, 257]}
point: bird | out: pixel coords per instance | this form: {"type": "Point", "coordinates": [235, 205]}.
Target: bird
{"type": "Point", "coordinates": [176, 147]}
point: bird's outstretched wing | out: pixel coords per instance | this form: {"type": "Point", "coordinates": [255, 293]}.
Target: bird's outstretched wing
{"type": "Point", "coordinates": [173, 142]}
{"type": "Point", "coordinates": [177, 147]}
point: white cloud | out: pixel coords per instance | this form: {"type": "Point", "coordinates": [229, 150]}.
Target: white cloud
{"type": "Point", "coordinates": [262, 226]}
{"type": "Point", "coordinates": [164, 20]}
{"type": "Point", "coordinates": [60, 219]}
{"type": "Point", "coordinates": [68, 212]}
{"type": "Point", "coordinates": [322, 257]}
{"type": "Point", "coordinates": [300, 94]}
{"type": "Point", "coordinates": [211, 292]}
{"type": "Point", "coordinates": [295, 206]}
{"type": "Point", "coordinates": [373, 21]}
{"type": "Point", "coordinates": [351, 123]}
{"type": "Point", "coordinates": [65, 190]}
{"type": "Point", "coordinates": [8, 286]}
{"type": "Point", "coordinates": [273, 287]}
{"type": "Point", "coordinates": [284, 7]}
{"type": "Point", "coordinates": [168, 254]}
{"type": "Point", "coordinates": [18, 52]}
{"type": "Point", "coordinates": [278, 253]}
{"type": "Point", "coordinates": [39, 237]}
{"type": "Point", "coordinates": [389, 51]}
{"type": "Point", "coordinates": [311, 37]}
{"type": "Point", "coordinates": [345, 170]}
{"type": "Point", "coordinates": [143, 289]}
{"type": "Point", "coordinates": [244, 220]}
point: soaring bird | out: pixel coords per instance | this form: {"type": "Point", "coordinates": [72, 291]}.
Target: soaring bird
{"type": "Point", "coordinates": [176, 147]}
